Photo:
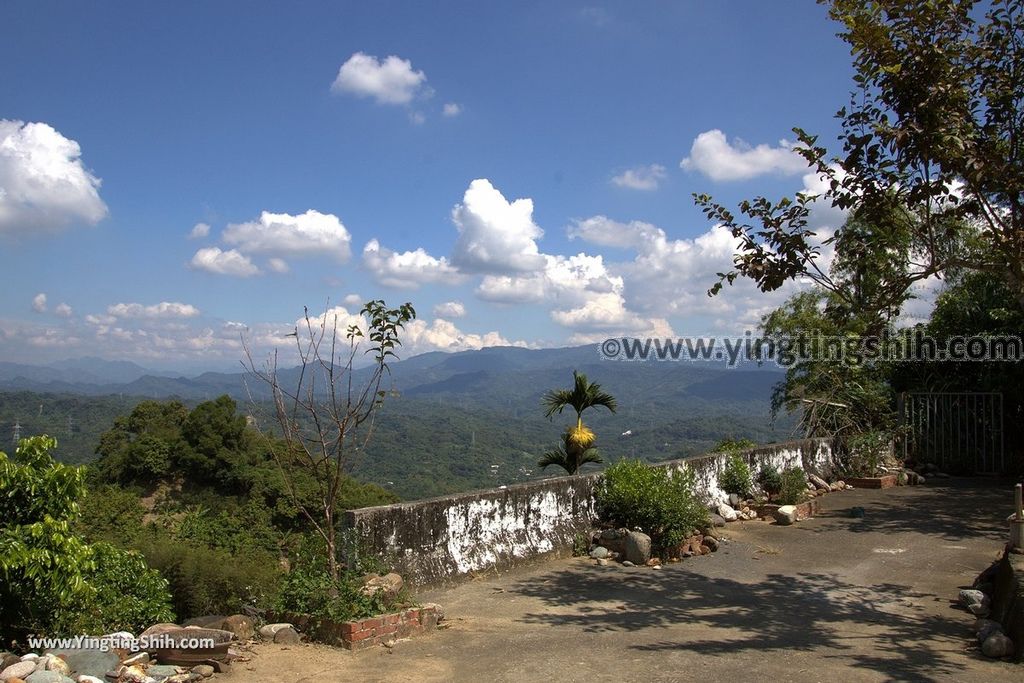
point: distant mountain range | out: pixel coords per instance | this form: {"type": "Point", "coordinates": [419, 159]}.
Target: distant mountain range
{"type": "Point", "coordinates": [463, 420]}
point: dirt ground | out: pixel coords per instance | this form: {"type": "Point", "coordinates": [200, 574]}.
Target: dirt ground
{"type": "Point", "coordinates": [832, 598]}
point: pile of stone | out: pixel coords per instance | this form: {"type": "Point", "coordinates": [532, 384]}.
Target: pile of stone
{"type": "Point", "coordinates": [994, 642]}
{"type": "Point", "coordinates": [736, 509]}
{"type": "Point", "coordinates": [816, 486]}
{"type": "Point", "coordinates": [633, 548]}
{"type": "Point", "coordinates": [84, 665]}
{"type": "Point", "coordinates": [113, 664]}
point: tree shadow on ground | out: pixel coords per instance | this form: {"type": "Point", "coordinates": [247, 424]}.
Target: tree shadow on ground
{"type": "Point", "coordinates": [881, 628]}
{"type": "Point", "coordinates": [949, 509]}
{"type": "Point", "coordinates": [885, 627]}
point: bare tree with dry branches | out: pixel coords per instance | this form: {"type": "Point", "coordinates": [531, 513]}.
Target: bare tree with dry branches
{"type": "Point", "coordinates": [326, 415]}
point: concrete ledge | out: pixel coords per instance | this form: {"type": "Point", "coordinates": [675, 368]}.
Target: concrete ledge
{"type": "Point", "coordinates": [442, 540]}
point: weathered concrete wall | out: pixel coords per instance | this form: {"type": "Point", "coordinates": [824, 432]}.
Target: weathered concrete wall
{"type": "Point", "coordinates": [438, 540]}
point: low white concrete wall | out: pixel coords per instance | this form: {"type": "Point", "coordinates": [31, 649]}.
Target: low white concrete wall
{"type": "Point", "coordinates": [438, 540]}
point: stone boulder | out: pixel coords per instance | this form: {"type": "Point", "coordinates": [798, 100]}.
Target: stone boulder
{"type": "Point", "coordinates": [818, 482]}
{"type": "Point", "coordinates": [18, 670]}
{"type": "Point", "coordinates": [726, 512]}
{"type": "Point", "coordinates": [614, 540]}
{"type": "Point", "coordinates": [159, 629]}
{"type": "Point", "coordinates": [268, 631]}
{"type": "Point", "coordinates": [997, 645]}
{"type": "Point", "coordinates": [984, 628]}
{"type": "Point", "coordinates": [390, 584]}
{"type": "Point", "coordinates": [287, 636]}
{"type": "Point", "coordinates": [785, 515]}
{"type": "Point", "coordinates": [638, 548]}
{"type": "Point", "coordinates": [240, 625]}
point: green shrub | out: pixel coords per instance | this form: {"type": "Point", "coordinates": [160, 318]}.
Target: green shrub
{"type": "Point", "coordinates": [794, 486]}
{"type": "Point", "coordinates": [866, 452]}
{"type": "Point", "coordinates": [735, 477]}
{"type": "Point", "coordinates": [308, 588]}
{"type": "Point", "coordinates": [770, 480]}
{"type": "Point", "coordinates": [205, 580]}
{"type": "Point", "coordinates": [662, 505]}
{"type": "Point", "coordinates": [123, 594]}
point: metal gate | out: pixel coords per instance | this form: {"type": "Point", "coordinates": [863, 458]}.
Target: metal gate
{"type": "Point", "coordinates": [959, 432]}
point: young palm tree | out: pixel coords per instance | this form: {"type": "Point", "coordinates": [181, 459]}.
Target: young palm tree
{"type": "Point", "coordinates": [578, 442]}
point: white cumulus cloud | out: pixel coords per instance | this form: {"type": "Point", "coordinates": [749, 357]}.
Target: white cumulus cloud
{"type": "Point", "coordinates": [407, 270]}
{"type": "Point", "coordinates": [63, 310]}
{"type": "Point", "coordinates": [495, 235]}
{"type": "Point", "coordinates": [281, 234]}
{"type": "Point", "coordinates": [278, 265]}
{"type": "Point", "coordinates": [452, 109]}
{"type": "Point", "coordinates": [39, 303]}
{"type": "Point", "coordinates": [221, 262]}
{"type": "Point", "coordinates": [641, 178]}
{"type": "Point", "coordinates": [442, 335]}
{"type": "Point", "coordinates": [199, 230]}
{"type": "Point", "coordinates": [44, 185]}
{"type": "Point", "coordinates": [391, 80]}
{"type": "Point", "coordinates": [164, 309]}
{"type": "Point", "coordinates": [449, 310]}
{"type": "Point", "coordinates": [713, 155]}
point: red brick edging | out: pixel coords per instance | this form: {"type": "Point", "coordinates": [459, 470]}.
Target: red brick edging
{"type": "Point", "coordinates": [357, 635]}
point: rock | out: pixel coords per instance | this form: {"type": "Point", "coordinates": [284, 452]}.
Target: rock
{"type": "Point", "coordinates": [704, 550]}
{"type": "Point", "coordinates": [842, 484]}
{"type": "Point", "coordinates": [835, 486]}
{"type": "Point", "coordinates": [207, 621]}
{"type": "Point", "coordinates": [389, 584]}
{"type": "Point", "coordinates": [240, 625]}
{"type": "Point", "coordinates": [88, 661]}
{"type": "Point", "coordinates": [979, 610]}
{"type": "Point", "coordinates": [159, 629]}
{"type": "Point", "coordinates": [735, 500]}
{"type": "Point", "coordinates": [267, 632]}
{"type": "Point", "coordinates": [726, 512]}
{"type": "Point", "coordinates": [47, 677]}
{"type": "Point", "coordinates": [970, 597]}
{"type": "Point", "coordinates": [438, 610]}
{"type": "Point", "coordinates": [141, 658]}
{"type": "Point", "coordinates": [785, 515]}
{"type": "Point", "coordinates": [638, 547]}
{"type": "Point", "coordinates": [598, 553]}
{"type": "Point", "coordinates": [818, 482]}
{"type": "Point", "coordinates": [86, 678]}
{"type": "Point", "coordinates": [287, 636]}
{"type": "Point", "coordinates": [30, 657]}
{"type": "Point", "coordinates": [6, 659]}
{"type": "Point", "coordinates": [997, 645]}
{"type": "Point", "coordinates": [653, 561]}
{"type": "Point", "coordinates": [708, 531]}
{"type": "Point", "coordinates": [602, 562]}
{"type": "Point", "coordinates": [161, 671]}
{"type": "Point", "coordinates": [627, 563]}
{"type": "Point", "coordinates": [57, 664]}
{"type": "Point", "coordinates": [657, 567]}
{"type": "Point", "coordinates": [717, 519]}
{"type": "Point", "coordinates": [614, 540]}
{"type": "Point", "coordinates": [19, 670]}
{"type": "Point", "coordinates": [984, 628]}
{"type": "Point", "coordinates": [204, 670]}
{"type": "Point", "coordinates": [711, 542]}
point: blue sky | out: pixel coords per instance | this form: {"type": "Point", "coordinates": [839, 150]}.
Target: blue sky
{"type": "Point", "coordinates": [522, 172]}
